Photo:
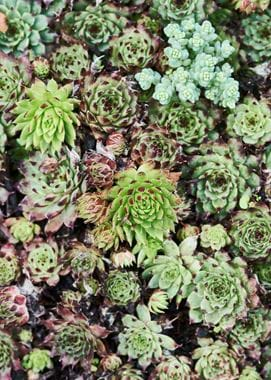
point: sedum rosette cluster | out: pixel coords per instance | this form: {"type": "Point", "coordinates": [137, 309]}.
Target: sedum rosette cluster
{"type": "Point", "coordinates": [46, 119]}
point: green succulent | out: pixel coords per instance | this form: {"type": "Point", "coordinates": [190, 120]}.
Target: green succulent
{"type": "Point", "coordinates": [214, 237]}
{"type": "Point", "coordinates": [175, 10]}
{"type": "Point", "coordinates": [37, 360]}
{"type": "Point", "coordinates": [250, 6]}
{"type": "Point", "coordinates": [133, 50]}
{"type": "Point", "coordinates": [109, 104]}
{"type": "Point", "coordinates": [51, 186]}
{"type": "Point", "coordinates": [250, 373]}
{"type": "Point", "coordinates": [104, 236]}
{"type": "Point", "coordinates": [27, 27]}
{"type": "Point", "coordinates": [251, 121]}
{"type": "Point", "coordinates": [13, 309]}
{"type": "Point", "coordinates": [172, 368]}
{"type": "Point", "coordinates": [92, 207]}
{"type": "Point", "coordinates": [215, 360]}
{"type": "Point", "coordinates": [263, 272]}
{"type": "Point", "coordinates": [25, 336]}
{"type": "Point", "coordinates": [147, 77]}
{"type": "Point", "coordinates": [21, 230]}
{"type": "Point", "coordinates": [15, 76]}
{"type": "Point", "coordinates": [158, 302]}
{"type": "Point", "coordinates": [222, 292]}
{"type": "Point", "coordinates": [142, 338]}
{"type": "Point", "coordinates": [127, 372]}
{"type": "Point", "coordinates": [84, 260]}
{"type": "Point", "coordinates": [253, 330]}
{"type": "Point", "coordinates": [6, 354]}
{"type": "Point", "coordinates": [251, 233]}
{"type": "Point", "coordinates": [222, 178]}
{"type": "Point", "coordinates": [95, 25]}
{"type": "Point", "coordinates": [9, 265]}
{"type": "Point", "coordinates": [143, 205]}
{"type": "Point", "coordinates": [186, 125]}
{"type": "Point", "coordinates": [3, 140]}
{"type": "Point", "coordinates": [46, 119]}
{"type": "Point", "coordinates": [257, 34]}
{"type": "Point", "coordinates": [41, 67]}
{"type": "Point", "coordinates": [69, 62]}
{"type": "Point", "coordinates": [121, 288]}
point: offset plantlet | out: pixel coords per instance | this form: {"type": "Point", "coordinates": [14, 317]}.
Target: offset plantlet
{"type": "Point", "coordinates": [37, 361]}
{"type": "Point", "coordinates": [21, 230]}
{"type": "Point", "coordinates": [122, 288]}
{"type": "Point", "coordinates": [214, 237]}
{"type": "Point", "coordinates": [9, 265]}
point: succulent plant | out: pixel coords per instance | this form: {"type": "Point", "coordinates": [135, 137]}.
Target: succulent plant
{"type": "Point", "coordinates": [104, 236]}
{"type": "Point", "coordinates": [147, 77]}
{"type": "Point", "coordinates": [96, 24]}
{"type": "Point", "coordinates": [251, 233]}
{"type": "Point", "coordinates": [123, 258]}
{"type": "Point", "coordinates": [249, 6]}
{"type": "Point", "coordinates": [21, 230]}
{"type": "Point", "coordinates": [111, 362]}
{"type": "Point", "coordinates": [215, 360]}
{"type": "Point", "coordinates": [263, 272]}
{"type": "Point", "coordinates": [70, 62]}
{"type": "Point", "coordinates": [127, 372]}
{"type": "Point", "coordinates": [251, 331]}
{"type": "Point", "coordinates": [15, 76]}
{"type": "Point", "coordinates": [13, 309]}
{"type": "Point", "coordinates": [6, 355]}
{"type": "Point", "coordinates": [142, 338]}
{"type": "Point", "coordinates": [37, 360]}
{"type": "Point", "coordinates": [121, 288]}
{"type": "Point", "coordinates": [134, 49]}
{"type": "Point", "coordinates": [99, 170]}
{"type": "Point", "coordinates": [43, 261]}
{"type": "Point", "coordinates": [27, 27]}
{"type": "Point", "coordinates": [251, 121]}
{"type": "Point", "coordinates": [41, 67]}
{"type": "Point", "coordinates": [174, 10]}
{"type": "Point", "coordinates": [172, 367]}
{"type": "Point", "coordinates": [250, 373]}
{"type": "Point", "coordinates": [92, 207]}
{"type": "Point", "coordinates": [197, 58]}
{"type": "Point", "coordinates": [143, 205]}
{"type": "Point", "coordinates": [256, 38]}
{"type": "Point", "coordinates": [3, 140]}
{"type": "Point", "coordinates": [154, 146]}
{"type": "Point", "coordinates": [109, 104]}
{"type": "Point", "coordinates": [222, 178]}
{"type": "Point", "coordinates": [116, 143]}
{"type": "Point", "coordinates": [214, 237]}
{"type": "Point", "coordinates": [9, 264]}
{"type": "Point", "coordinates": [186, 125]}
{"type": "Point", "coordinates": [222, 292]}
{"type": "Point", "coordinates": [46, 119]}
{"type": "Point", "coordinates": [73, 339]}
{"type": "Point", "coordinates": [158, 302]}
{"type": "Point", "coordinates": [51, 186]}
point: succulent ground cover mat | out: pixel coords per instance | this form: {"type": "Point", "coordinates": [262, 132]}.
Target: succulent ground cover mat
{"type": "Point", "coordinates": [135, 190]}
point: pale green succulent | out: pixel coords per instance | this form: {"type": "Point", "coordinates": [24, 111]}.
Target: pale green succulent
{"type": "Point", "coordinates": [127, 372]}
{"type": "Point", "coordinates": [215, 360]}
{"type": "Point", "coordinates": [70, 62]}
{"type": "Point", "coordinates": [21, 229]}
{"type": "Point", "coordinates": [95, 25]}
{"type": "Point", "coordinates": [133, 50]}
{"type": "Point", "coordinates": [9, 265]}
{"type": "Point", "coordinates": [222, 178]}
{"type": "Point", "coordinates": [6, 355]}
{"type": "Point", "coordinates": [172, 368]}
{"type": "Point", "coordinates": [263, 271]}
{"type": "Point", "coordinates": [174, 10]}
{"type": "Point", "coordinates": [249, 6]}
{"type": "Point", "coordinates": [142, 339]}
{"type": "Point", "coordinates": [251, 233]}
{"type": "Point", "coordinates": [121, 288]}
{"type": "Point", "coordinates": [41, 67]}
{"type": "Point", "coordinates": [214, 237]}
{"type": "Point", "coordinates": [27, 27]}
{"type": "Point", "coordinates": [37, 360]}
{"type": "Point", "coordinates": [104, 236]}
{"type": "Point", "coordinates": [158, 302]}
{"type": "Point", "coordinates": [147, 77]}
{"type": "Point", "coordinates": [143, 205]}
{"type": "Point", "coordinates": [222, 292]}
{"type": "Point", "coordinates": [250, 373]}
{"type": "Point", "coordinates": [251, 121]}
{"type": "Point", "coordinates": [46, 119]}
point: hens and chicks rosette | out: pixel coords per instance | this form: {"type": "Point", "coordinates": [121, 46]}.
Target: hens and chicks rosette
{"type": "Point", "coordinates": [135, 190]}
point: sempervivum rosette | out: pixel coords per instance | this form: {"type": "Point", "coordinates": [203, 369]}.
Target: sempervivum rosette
{"type": "Point", "coordinates": [51, 186]}
{"type": "Point", "coordinates": [222, 292]}
{"type": "Point", "coordinates": [99, 170]}
{"type": "Point", "coordinates": [13, 309]}
{"type": "Point", "coordinates": [153, 145]}
{"type": "Point", "coordinates": [9, 265]}
{"type": "Point", "coordinates": [109, 104]}
{"type": "Point", "coordinates": [122, 287]}
{"type": "Point", "coordinates": [222, 178]}
{"type": "Point", "coordinates": [174, 10]}
{"type": "Point", "coordinates": [7, 348]}
{"type": "Point", "coordinates": [172, 367]}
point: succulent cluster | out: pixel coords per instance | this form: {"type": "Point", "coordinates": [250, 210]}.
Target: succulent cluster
{"type": "Point", "coordinates": [135, 190]}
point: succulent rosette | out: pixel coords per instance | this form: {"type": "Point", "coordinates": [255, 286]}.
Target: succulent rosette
{"type": "Point", "coordinates": [121, 288]}
{"type": "Point", "coordinates": [174, 10]}
{"type": "Point", "coordinates": [251, 233]}
{"type": "Point", "coordinates": [51, 186]}
{"type": "Point", "coordinates": [158, 302]}
{"type": "Point", "coordinates": [109, 104]}
{"type": "Point", "coordinates": [222, 178]}
{"type": "Point", "coordinates": [214, 237]}
{"type": "Point", "coordinates": [41, 67]}
{"type": "Point", "coordinates": [134, 49]}
{"type": "Point", "coordinates": [99, 170]}
{"type": "Point", "coordinates": [143, 205]}
{"type": "Point", "coordinates": [46, 119]}
{"type": "Point", "coordinates": [215, 360]}
{"type": "Point", "coordinates": [13, 309]}
{"type": "Point", "coordinates": [95, 25]}
{"type": "Point", "coordinates": [250, 373]}
{"type": "Point", "coordinates": [222, 292]}
{"type": "Point", "coordinates": [263, 272]}
{"type": "Point", "coordinates": [19, 229]}
{"type": "Point", "coordinates": [249, 6]}
{"type": "Point", "coordinates": [26, 27]}
{"type": "Point", "coordinates": [104, 236]}
{"type": "Point", "coordinates": [14, 76]}
{"type": "Point", "coordinates": [7, 348]}
{"type": "Point", "coordinates": [154, 146]}
{"type": "Point", "coordinates": [127, 372]}
{"type": "Point", "coordinates": [142, 338]}
{"type": "Point", "coordinates": [70, 62]}
{"type": "Point", "coordinates": [37, 360]}
{"type": "Point", "coordinates": [251, 121]}
{"type": "Point", "coordinates": [92, 207]}
{"type": "Point", "coordinates": [9, 265]}
{"type": "Point", "coordinates": [172, 367]}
